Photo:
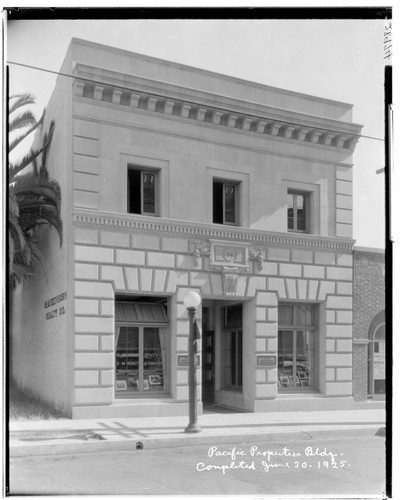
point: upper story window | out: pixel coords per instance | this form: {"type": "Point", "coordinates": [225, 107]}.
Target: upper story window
{"type": "Point", "coordinates": [298, 211]}
{"type": "Point", "coordinates": [225, 202]}
{"type": "Point", "coordinates": [143, 191]}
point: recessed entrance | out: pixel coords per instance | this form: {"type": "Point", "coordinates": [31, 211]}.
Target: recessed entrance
{"type": "Point", "coordinates": [222, 354]}
{"type": "Point", "coordinates": [208, 364]}
{"type": "Point", "coordinates": [376, 357]}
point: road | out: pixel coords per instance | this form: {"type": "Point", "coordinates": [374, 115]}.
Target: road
{"type": "Point", "coordinates": [346, 466]}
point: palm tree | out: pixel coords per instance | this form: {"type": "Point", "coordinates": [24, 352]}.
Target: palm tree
{"type": "Point", "coordinates": [34, 198]}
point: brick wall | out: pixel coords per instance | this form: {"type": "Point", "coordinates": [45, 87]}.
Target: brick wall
{"type": "Point", "coordinates": [369, 300]}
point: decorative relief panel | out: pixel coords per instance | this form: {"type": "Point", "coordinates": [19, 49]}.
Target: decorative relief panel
{"type": "Point", "coordinates": [201, 247]}
{"type": "Point", "coordinates": [257, 253]}
{"type": "Point", "coordinates": [225, 255]}
{"type": "Point", "coordinates": [229, 254]}
{"type": "Point", "coordinates": [229, 281]}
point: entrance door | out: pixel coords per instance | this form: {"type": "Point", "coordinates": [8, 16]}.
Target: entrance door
{"type": "Point", "coordinates": [377, 375]}
{"type": "Point", "coordinates": [207, 362]}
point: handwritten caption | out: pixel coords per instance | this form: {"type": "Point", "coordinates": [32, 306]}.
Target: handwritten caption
{"type": "Point", "coordinates": [387, 40]}
{"type": "Point", "coordinates": [255, 458]}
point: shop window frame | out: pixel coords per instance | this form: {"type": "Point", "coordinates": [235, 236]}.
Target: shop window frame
{"type": "Point", "coordinates": [297, 379]}
{"type": "Point", "coordinates": [142, 318]}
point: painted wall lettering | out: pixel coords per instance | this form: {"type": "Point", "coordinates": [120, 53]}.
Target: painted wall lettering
{"type": "Point", "coordinates": [51, 302]}
{"type": "Point", "coordinates": [55, 300]}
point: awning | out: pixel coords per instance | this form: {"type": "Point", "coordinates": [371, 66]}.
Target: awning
{"type": "Point", "coordinates": [134, 312]}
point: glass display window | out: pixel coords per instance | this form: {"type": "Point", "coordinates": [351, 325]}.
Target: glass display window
{"type": "Point", "coordinates": [296, 347]}
{"type": "Point", "coordinates": [141, 350]}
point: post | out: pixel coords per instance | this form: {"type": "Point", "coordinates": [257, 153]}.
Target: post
{"type": "Point", "coordinates": [193, 425]}
{"type": "Point", "coordinates": [191, 301]}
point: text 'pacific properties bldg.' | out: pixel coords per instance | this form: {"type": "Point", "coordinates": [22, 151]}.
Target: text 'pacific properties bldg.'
{"type": "Point", "coordinates": [177, 179]}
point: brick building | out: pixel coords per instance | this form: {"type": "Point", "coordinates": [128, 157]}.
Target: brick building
{"type": "Point", "coordinates": [369, 324]}
{"type": "Point", "coordinates": [177, 179]}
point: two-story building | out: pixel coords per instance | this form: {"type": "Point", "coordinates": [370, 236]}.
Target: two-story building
{"type": "Point", "coordinates": [177, 179]}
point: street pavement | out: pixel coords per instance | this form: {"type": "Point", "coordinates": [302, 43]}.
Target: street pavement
{"type": "Point", "coordinates": [350, 466]}
{"type": "Point", "coordinates": [47, 437]}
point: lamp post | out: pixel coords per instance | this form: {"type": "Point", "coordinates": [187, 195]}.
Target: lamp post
{"type": "Point", "coordinates": [192, 301]}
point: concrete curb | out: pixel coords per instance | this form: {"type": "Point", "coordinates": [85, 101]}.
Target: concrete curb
{"type": "Point", "coordinates": [53, 447]}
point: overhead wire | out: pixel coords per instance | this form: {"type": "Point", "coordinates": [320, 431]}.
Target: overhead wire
{"type": "Point", "coordinates": [129, 89]}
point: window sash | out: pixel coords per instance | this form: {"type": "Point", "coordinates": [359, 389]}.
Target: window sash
{"type": "Point", "coordinates": [297, 315]}
{"type": "Point", "coordinates": [225, 202]}
{"type": "Point", "coordinates": [143, 189]}
{"type": "Point", "coordinates": [148, 192]}
{"type": "Point", "coordinates": [296, 359]}
{"type": "Point", "coordinates": [297, 212]}
{"type": "Point", "coordinates": [229, 203]}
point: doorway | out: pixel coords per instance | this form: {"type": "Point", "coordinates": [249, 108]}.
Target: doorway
{"type": "Point", "coordinates": [208, 360]}
{"type": "Point", "coordinates": [377, 357]}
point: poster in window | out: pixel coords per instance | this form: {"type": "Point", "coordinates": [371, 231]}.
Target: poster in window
{"type": "Point", "coordinates": [121, 385]}
{"type": "Point", "coordinates": [155, 379]}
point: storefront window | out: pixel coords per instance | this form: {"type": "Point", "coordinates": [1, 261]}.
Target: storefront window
{"type": "Point", "coordinates": [296, 346]}
{"type": "Point", "coordinates": [141, 351]}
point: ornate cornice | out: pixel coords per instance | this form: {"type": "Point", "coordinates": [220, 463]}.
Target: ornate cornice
{"type": "Point", "coordinates": [271, 123]}
{"type": "Point", "coordinates": [206, 231]}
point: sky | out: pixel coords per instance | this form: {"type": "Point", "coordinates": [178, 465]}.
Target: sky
{"type": "Point", "coordinates": [341, 60]}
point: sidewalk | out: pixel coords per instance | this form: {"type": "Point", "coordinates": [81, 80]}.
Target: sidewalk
{"type": "Point", "coordinates": [48, 437]}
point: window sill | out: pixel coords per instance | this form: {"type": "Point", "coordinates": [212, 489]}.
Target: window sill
{"type": "Point", "coordinates": [298, 232]}
{"type": "Point", "coordinates": [136, 397]}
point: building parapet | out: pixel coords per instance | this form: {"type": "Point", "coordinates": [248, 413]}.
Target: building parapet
{"type": "Point", "coordinates": [201, 230]}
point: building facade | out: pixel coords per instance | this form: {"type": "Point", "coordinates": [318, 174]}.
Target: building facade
{"type": "Point", "coordinates": [369, 329]}
{"type": "Point", "coordinates": [177, 179]}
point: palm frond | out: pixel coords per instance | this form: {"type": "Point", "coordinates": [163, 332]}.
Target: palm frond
{"type": "Point", "coordinates": [37, 186]}
{"type": "Point", "coordinates": [16, 233]}
{"type": "Point", "coordinates": [23, 120]}
{"type": "Point", "coordinates": [34, 197]}
{"type": "Point", "coordinates": [26, 161]}
{"type": "Point", "coordinates": [37, 256]}
{"type": "Point", "coordinates": [48, 216]}
{"type": "Point", "coordinates": [21, 100]}
{"type": "Point", "coordinates": [48, 136]}
{"type": "Point", "coordinates": [19, 139]}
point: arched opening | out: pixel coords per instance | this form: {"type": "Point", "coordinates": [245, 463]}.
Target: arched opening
{"type": "Point", "coordinates": [376, 356]}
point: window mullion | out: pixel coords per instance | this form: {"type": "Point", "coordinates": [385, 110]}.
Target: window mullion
{"type": "Point", "coordinates": [294, 359]}
{"type": "Point", "coordinates": [237, 358]}
{"type": "Point", "coordinates": [223, 203]}
{"type": "Point", "coordinates": [142, 191]}
{"type": "Point", "coordinates": [141, 359]}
